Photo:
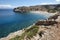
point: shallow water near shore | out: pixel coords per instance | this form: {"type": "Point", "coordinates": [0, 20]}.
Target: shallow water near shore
{"type": "Point", "coordinates": [11, 21]}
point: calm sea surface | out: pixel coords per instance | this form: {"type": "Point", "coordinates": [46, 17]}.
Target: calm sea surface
{"type": "Point", "coordinates": [11, 21]}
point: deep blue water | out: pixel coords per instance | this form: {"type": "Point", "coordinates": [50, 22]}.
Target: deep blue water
{"type": "Point", "coordinates": [11, 21]}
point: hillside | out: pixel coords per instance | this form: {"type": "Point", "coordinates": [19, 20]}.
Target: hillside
{"type": "Point", "coordinates": [47, 8]}
{"type": "Point", "coordinates": [41, 32]}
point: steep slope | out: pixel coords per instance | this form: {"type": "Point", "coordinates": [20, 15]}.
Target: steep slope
{"type": "Point", "coordinates": [41, 32]}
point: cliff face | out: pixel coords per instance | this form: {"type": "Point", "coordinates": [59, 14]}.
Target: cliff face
{"type": "Point", "coordinates": [48, 8]}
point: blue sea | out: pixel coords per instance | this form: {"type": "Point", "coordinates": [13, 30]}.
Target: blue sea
{"type": "Point", "coordinates": [11, 21]}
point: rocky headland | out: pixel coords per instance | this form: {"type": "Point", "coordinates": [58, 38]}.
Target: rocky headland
{"type": "Point", "coordinates": [47, 8]}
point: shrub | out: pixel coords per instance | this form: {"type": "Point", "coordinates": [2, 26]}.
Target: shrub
{"type": "Point", "coordinates": [28, 32]}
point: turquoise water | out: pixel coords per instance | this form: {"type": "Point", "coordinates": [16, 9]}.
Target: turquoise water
{"type": "Point", "coordinates": [11, 21]}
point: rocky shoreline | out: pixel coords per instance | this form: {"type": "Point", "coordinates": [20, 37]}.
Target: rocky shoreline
{"type": "Point", "coordinates": [12, 35]}
{"type": "Point", "coordinates": [49, 32]}
{"type": "Point", "coordinates": [45, 29]}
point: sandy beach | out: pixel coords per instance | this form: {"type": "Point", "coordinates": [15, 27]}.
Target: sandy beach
{"type": "Point", "coordinates": [43, 12]}
{"type": "Point", "coordinates": [40, 12]}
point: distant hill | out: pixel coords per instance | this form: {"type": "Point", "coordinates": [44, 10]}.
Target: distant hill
{"type": "Point", "coordinates": [48, 8]}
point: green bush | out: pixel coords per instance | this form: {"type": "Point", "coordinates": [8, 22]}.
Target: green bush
{"type": "Point", "coordinates": [28, 32]}
{"type": "Point", "coordinates": [51, 10]}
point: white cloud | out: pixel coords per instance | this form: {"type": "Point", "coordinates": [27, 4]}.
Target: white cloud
{"type": "Point", "coordinates": [6, 6]}
{"type": "Point", "coordinates": [57, 0]}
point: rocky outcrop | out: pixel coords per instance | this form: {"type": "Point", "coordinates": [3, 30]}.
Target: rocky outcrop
{"type": "Point", "coordinates": [46, 23]}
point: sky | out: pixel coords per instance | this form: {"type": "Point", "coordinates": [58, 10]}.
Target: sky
{"type": "Point", "coordinates": [17, 3]}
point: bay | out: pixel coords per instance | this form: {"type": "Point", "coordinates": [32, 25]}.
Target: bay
{"type": "Point", "coordinates": [11, 21]}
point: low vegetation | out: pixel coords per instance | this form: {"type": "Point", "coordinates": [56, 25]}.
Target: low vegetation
{"type": "Point", "coordinates": [29, 33]}
{"type": "Point", "coordinates": [51, 10]}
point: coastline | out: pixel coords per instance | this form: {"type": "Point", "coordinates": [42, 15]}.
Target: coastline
{"type": "Point", "coordinates": [13, 34]}
{"type": "Point", "coordinates": [19, 32]}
